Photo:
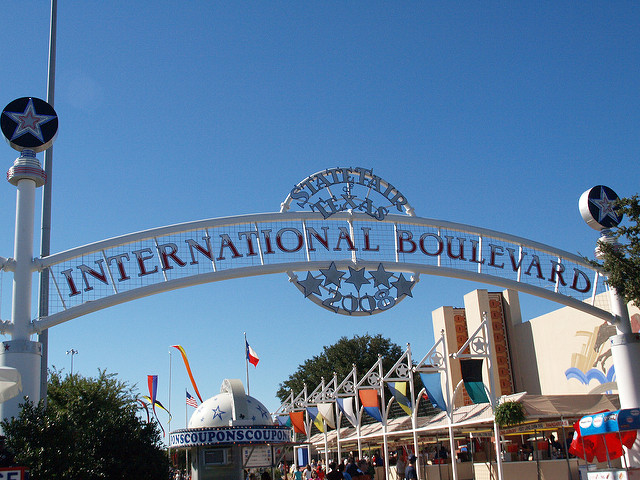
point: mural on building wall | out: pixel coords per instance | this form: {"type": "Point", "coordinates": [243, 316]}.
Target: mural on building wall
{"type": "Point", "coordinates": [594, 362]}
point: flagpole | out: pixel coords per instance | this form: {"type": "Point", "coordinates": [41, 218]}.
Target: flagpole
{"type": "Point", "coordinates": [169, 405]}
{"type": "Point", "coordinates": [246, 363]}
{"type": "Point", "coordinates": [186, 450]}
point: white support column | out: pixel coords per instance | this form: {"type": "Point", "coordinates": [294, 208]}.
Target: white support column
{"type": "Point", "coordinates": [20, 352]}
{"type": "Point", "coordinates": [625, 351]}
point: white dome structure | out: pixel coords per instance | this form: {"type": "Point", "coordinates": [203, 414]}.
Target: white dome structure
{"type": "Point", "coordinates": [230, 407]}
{"type": "Point", "coordinates": [229, 433]}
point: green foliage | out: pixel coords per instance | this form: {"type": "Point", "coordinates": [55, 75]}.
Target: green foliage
{"type": "Point", "coordinates": [88, 430]}
{"type": "Point", "coordinates": [622, 262]}
{"type": "Point", "coordinates": [510, 413]}
{"type": "Point", "coordinates": [360, 350]}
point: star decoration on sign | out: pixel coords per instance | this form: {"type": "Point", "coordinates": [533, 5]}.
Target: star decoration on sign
{"type": "Point", "coordinates": [217, 412]}
{"type": "Point", "coordinates": [403, 286]}
{"type": "Point", "coordinates": [310, 285]}
{"type": "Point", "coordinates": [356, 278]}
{"type": "Point", "coordinates": [381, 277]}
{"type": "Point", "coordinates": [358, 291]}
{"type": "Point", "coordinates": [332, 275]}
{"type": "Point", "coordinates": [605, 207]}
{"type": "Point", "coordinates": [29, 122]}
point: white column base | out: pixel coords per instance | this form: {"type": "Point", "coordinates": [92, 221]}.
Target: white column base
{"type": "Point", "coordinates": [625, 350]}
{"type": "Point", "coordinates": [23, 355]}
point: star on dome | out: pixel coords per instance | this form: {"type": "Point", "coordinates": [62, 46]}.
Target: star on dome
{"type": "Point", "coordinates": [605, 207]}
{"type": "Point", "coordinates": [310, 285]}
{"type": "Point", "coordinates": [403, 286]}
{"type": "Point", "coordinates": [29, 121]}
{"type": "Point", "coordinates": [356, 278]}
{"type": "Point", "coordinates": [217, 412]}
{"type": "Point", "coordinates": [381, 277]}
{"type": "Point", "coordinates": [332, 275]}
{"type": "Point", "coordinates": [262, 411]}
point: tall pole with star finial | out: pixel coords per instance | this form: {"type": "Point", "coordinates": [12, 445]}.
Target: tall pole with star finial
{"type": "Point", "coordinates": [597, 207]}
{"type": "Point", "coordinates": [30, 125]}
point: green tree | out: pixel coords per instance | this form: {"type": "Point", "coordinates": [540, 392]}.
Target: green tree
{"type": "Point", "coordinates": [621, 261]}
{"type": "Point", "coordinates": [340, 357]}
{"type": "Point", "coordinates": [88, 430]}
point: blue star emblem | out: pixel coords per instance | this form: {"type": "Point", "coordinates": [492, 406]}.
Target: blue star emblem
{"type": "Point", "coordinates": [262, 411]}
{"type": "Point", "coordinates": [605, 207]}
{"type": "Point", "coordinates": [29, 121]}
{"type": "Point", "coordinates": [217, 412]}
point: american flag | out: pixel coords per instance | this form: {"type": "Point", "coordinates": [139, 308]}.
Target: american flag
{"type": "Point", "coordinates": [191, 401]}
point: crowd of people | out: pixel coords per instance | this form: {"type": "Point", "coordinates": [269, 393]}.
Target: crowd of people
{"type": "Point", "coordinates": [349, 469]}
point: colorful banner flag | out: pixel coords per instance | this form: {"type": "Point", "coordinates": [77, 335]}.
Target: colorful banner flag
{"type": "Point", "coordinates": [252, 356]}
{"type": "Point", "coordinates": [297, 420]}
{"type": "Point", "coordinates": [471, 370]}
{"type": "Point", "coordinates": [399, 392]}
{"type": "Point", "coordinates": [326, 410]}
{"type": "Point", "coordinates": [152, 383]}
{"type": "Point", "coordinates": [157, 402]}
{"type": "Point", "coordinates": [345, 404]}
{"type": "Point", "coordinates": [316, 418]}
{"type": "Point", "coordinates": [146, 409]}
{"type": "Point", "coordinates": [369, 400]}
{"type": "Point", "coordinates": [433, 388]}
{"type": "Point", "coordinates": [284, 420]}
{"type": "Point", "coordinates": [186, 364]}
{"type": "Point", "coordinates": [191, 401]}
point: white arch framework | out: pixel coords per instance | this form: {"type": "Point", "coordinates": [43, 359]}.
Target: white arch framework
{"type": "Point", "coordinates": [117, 270]}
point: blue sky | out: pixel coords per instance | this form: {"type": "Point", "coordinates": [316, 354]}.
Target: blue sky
{"type": "Point", "coordinates": [494, 114]}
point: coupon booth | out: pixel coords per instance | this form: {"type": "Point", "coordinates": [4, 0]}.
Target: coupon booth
{"type": "Point", "coordinates": [230, 435]}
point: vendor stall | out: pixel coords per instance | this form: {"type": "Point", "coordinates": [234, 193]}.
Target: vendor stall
{"type": "Point", "coordinates": [603, 436]}
{"type": "Point", "coordinates": [230, 435]}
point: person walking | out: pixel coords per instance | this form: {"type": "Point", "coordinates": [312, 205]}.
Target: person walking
{"type": "Point", "coordinates": [410, 473]}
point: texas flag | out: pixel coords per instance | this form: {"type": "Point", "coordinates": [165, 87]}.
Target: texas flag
{"type": "Point", "coordinates": [252, 356]}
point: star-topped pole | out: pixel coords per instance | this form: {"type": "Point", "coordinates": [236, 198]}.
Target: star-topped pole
{"type": "Point", "coordinates": [597, 208]}
{"type": "Point", "coordinates": [30, 125]}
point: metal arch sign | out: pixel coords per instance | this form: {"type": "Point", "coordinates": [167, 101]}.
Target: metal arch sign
{"type": "Point", "coordinates": [352, 290]}
{"type": "Point", "coordinates": [359, 263]}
